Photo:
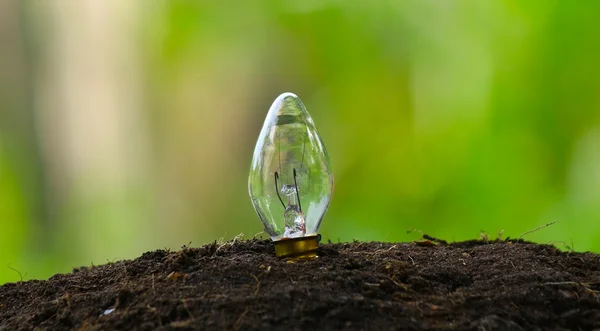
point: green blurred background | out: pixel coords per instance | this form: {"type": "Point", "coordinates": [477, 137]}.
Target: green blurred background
{"type": "Point", "coordinates": [128, 126]}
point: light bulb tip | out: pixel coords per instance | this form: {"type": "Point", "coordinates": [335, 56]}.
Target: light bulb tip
{"type": "Point", "coordinates": [287, 94]}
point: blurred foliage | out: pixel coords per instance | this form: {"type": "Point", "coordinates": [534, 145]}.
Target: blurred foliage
{"type": "Point", "coordinates": [130, 126]}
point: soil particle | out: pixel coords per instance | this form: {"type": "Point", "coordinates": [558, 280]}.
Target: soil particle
{"type": "Point", "coordinates": [351, 286]}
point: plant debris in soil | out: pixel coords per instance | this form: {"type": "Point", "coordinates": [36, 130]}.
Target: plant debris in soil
{"type": "Point", "coordinates": [241, 285]}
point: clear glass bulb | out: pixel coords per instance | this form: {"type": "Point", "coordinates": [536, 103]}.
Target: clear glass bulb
{"type": "Point", "coordinates": [290, 180]}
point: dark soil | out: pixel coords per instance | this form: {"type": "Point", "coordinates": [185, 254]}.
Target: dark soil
{"type": "Point", "coordinates": [363, 286]}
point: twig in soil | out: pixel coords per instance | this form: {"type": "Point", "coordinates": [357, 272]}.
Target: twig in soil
{"type": "Point", "coordinates": [413, 261]}
{"type": "Point", "coordinates": [237, 325]}
{"type": "Point", "coordinates": [67, 298]}
{"type": "Point", "coordinates": [562, 283]}
{"type": "Point", "coordinates": [536, 229]}
{"type": "Point", "coordinates": [400, 285]}
{"type": "Point", "coordinates": [372, 284]}
{"type": "Point", "coordinates": [570, 248]}
{"type": "Point", "coordinates": [230, 243]}
{"type": "Point", "coordinates": [17, 271]}
{"type": "Point", "coordinates": [500, 235]}
{"type": "Point", "coordinates": [125, 268]}
{"type": "Point", "coordinates": [153, 291]}
{"type": "Point", "coordinates": [440, 241]}
{"type": "Point", "coordinates": [236, 238]}
{"type": "Point", "coordinates": [257, 284]}
{"type": "Point", "coordinates": [483, 236]}
{"type": "Point", "coordinates": [586, 286]}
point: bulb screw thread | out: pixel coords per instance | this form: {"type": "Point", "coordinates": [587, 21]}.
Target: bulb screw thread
{"type": "Point", "coordinates": [297, 248]}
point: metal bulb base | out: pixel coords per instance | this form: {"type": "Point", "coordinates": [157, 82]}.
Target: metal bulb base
{"type": "Point", "coordinates": [297, 248]}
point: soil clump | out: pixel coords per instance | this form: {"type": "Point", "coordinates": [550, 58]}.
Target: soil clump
{"type": "Point", "coordinates": [241, 285]}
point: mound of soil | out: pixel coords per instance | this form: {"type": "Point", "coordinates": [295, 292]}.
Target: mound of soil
{"type": "Point", "coordinates": [362, 286]}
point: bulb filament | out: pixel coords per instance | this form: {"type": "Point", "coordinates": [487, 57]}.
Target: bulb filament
{"type": "Point", "coordinates": [296, 188]}
{"type": "Point", "coordinates": [297, 191]}
{"type": "Point", "coordinates": [293, 216]}
{"type": "Point", "coordinates": [277, 189]}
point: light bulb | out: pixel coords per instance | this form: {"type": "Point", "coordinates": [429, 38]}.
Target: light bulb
{"type": "Point", "coordinates": [290, 180]}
